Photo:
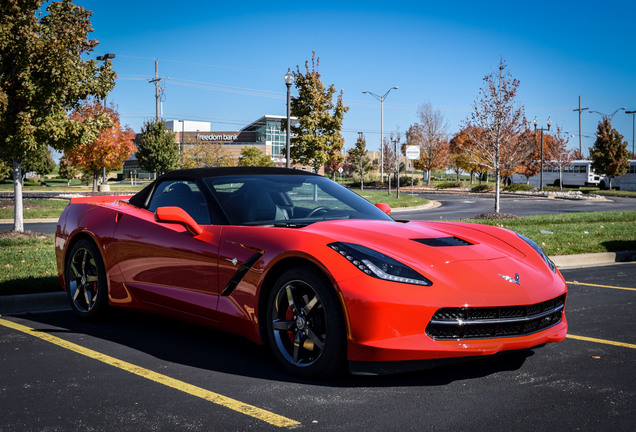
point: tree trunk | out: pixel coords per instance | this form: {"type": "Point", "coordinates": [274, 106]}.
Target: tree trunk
{"type": "Point", "coordinates": [428, 177]}
{"type": "Point", "coordinates": [18, 212]}
{"type": "Point", "coordinates": [497, 195]}
{"type": "Point", "coordinates": [95, 180]}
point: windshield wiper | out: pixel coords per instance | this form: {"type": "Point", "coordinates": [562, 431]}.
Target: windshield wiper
{"type": "Point", "coordinates": [290, 225]}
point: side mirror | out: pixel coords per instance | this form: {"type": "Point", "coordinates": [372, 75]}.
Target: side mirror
{"type": "Point", "coordinates": [179, 216]}
{"type": "Point", "coordinates": [384, 207]}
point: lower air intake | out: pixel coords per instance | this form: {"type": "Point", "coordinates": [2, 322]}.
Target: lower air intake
{"type": "Point", "coordinates": [495, 322]}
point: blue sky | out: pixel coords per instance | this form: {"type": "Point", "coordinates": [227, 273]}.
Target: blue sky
{"type": "Point", "coordinates": [224, 62]}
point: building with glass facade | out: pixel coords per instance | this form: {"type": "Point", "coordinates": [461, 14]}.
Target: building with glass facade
{"type": "Point", "coordinates": [268, 134]}
{"type": "Point", "coordinates": [270, 129]}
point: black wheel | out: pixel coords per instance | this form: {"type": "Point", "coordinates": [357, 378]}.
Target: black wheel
{"type": "Point", "coordinates": [318, 209]}
{"type": "Point", "coordinates": [305, 325]}
{"type": "Point", "coordinates": [86, 280]}
{"type": "Point", "coordinates": [557, 183]}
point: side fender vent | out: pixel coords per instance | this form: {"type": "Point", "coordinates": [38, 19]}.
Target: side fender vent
{"type": "Point", "coordinates": [444, 241]}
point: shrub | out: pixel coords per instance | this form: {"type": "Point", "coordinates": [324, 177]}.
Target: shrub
{"type": "Point", "coordinates": [449, 184]}
{"type": "Point", "coordinates": [484, 187]}
{"type": "Point", "coordinates": [552, 188]}
{"type": "Point", "coordinates": [406, 181]}
{"type": "Point", "coordinates": [519, 187]}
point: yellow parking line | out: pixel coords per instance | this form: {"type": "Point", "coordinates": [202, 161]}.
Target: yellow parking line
{"type": "Point", "coordinates": [601, 286]}
{"type": "Point", "coordinates": [602, 341]}
{"type": "Point", "coordinates": [216, 398]}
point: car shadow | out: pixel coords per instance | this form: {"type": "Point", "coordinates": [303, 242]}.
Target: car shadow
{"type": "Point", "coordinates": [190, 345]}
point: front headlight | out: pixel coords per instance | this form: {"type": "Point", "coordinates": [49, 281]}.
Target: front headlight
{"type": "Point", "coordinates": [536, 247]}
{"type": "Point", "coordinates": [378, 265]}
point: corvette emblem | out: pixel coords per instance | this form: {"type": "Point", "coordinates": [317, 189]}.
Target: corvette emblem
{"type": "Point", "coordinates": [234, 261]}
{"type": "Point", "coordinates": [517, 278]}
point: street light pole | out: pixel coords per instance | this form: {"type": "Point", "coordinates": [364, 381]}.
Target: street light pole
{"type": "Point", "coordinates": [535, 122]}
{"type": "Point", "coordinates": [579, 109]}
{"type": "Point", "coordinates": [107, 56]}
{"type": "Point", "coordinates": [289, 78]}
{"type": "Point", "coordinates": [397, 169]}
{"type": "Point", "coordinates": [381, 99]}
{"type": "Point", "coordinates": [611, 116]}
{"type": "Point", "coordinates": [633, 130]}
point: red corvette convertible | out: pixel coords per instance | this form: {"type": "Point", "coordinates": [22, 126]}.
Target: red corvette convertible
{"type": "Point", "coordinates": [295, 261]}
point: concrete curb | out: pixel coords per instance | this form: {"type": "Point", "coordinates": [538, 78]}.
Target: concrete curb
{"type": "Point", "coordinates": [34, 303]}
{"type": "Point", "coordinates": [431, 204]}
{"type": "Point", "coordinates": [26, 221]}
{"type": "Point", "coordinates": [593, 259]}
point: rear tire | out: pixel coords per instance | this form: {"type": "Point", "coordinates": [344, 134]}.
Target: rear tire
{"type": "Point", "coordinates": [86, 283]}
{"type": "Point", "coordinates": [305, 325]}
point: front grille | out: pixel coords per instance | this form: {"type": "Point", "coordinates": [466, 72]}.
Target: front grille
{"type": "Point", "coordinates": [494, 322]}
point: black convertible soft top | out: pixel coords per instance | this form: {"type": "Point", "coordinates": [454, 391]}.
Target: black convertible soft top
{"type": "Point", "coordinates": [141, 198]}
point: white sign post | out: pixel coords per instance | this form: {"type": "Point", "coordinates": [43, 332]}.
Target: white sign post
{"type": "Point", "coordinates": [412, 153]}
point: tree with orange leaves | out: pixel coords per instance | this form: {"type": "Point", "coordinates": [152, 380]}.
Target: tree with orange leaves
{"type": "Point", "coordinates": [113, 145]}
{"type": "Point", "coordinates": [465, 153]}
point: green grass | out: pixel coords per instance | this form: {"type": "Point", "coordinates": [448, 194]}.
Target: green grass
{"type": "Point", "coordinates": [576, 233]}
{"type": "Point", "coordinates": [34, 208]}
{"type": "Point", "coordinates": [62, 185]}
{"type": "Point", "coordinates": [27, 264]}
{"type": "Point", "coordinates": [405, 200]}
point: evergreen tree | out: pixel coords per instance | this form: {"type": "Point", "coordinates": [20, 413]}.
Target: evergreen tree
{"type": "Point", "coordinates": [358, 158]}
{"type": "Point", "coordinates": [316, 138]}
{"type": "Point", "coordinates": [609, 154]}
{"type": "Point", "coordinates": [40, 161]}
{"type": "Point", "coordinates": [67, 170]}
{"type": "Point", "coordinates": [157, 150]}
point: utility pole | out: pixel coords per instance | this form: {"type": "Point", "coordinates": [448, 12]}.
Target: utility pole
{"type": "Point", "coordinates": [157, 93]}
{"type": "Point", "coordinates": [579, 109]}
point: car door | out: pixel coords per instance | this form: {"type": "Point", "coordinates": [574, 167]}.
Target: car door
{"type": "Point", "coordinates": [162, 264]}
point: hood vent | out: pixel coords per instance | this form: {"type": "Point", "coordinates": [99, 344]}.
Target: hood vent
{"type": "Point", "coordinates": [443, 242]}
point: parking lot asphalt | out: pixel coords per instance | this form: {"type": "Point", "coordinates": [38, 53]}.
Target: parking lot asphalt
{"type": "Point", "coordinates": [143, 372]}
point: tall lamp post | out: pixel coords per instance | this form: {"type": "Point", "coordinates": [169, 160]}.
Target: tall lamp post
{"type": "Point", "coordinates": [397, 168]}
{"type": "Point", "coordinates": [611, 116]}
{"type": "Point", "coordinates": [633, 129]}
{"type": "Point", "coordinates": [535, 122]}
{"type": "Point", "coordinates": [289, 78]}
{"type": "Point", "coordinates": [381, 99]}
{"type": "Point", "coordinates": [107, 56]}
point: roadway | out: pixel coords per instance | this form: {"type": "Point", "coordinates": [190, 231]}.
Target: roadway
{"type": "Point", "coordinates": [136, 372]}
{"type": "Point", "coordinates": [464, 206]}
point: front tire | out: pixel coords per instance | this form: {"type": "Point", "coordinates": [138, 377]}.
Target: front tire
{"type": "Point", "coordinates": [305, 324]}
{"type": "Point", "coordinates": [86, 280]}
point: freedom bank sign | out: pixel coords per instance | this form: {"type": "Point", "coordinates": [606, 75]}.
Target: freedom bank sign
{"type": "Point", "coordinates": [227, 137]}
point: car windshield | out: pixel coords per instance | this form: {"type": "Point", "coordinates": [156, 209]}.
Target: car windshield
{"type": "Point", "coordinates": [288, 200]}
